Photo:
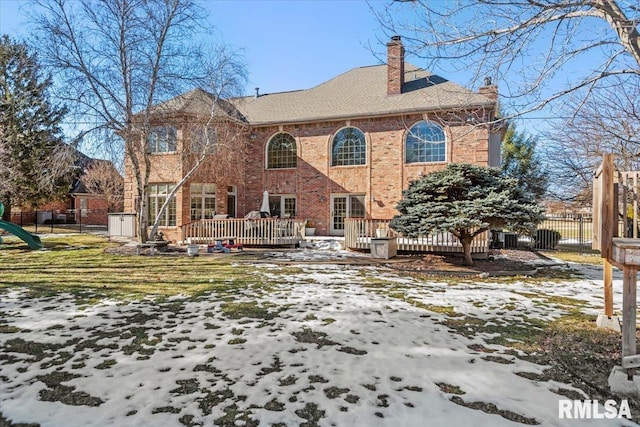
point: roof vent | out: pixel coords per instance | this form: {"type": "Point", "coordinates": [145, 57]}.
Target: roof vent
{"type": "Point", "coordinates": [257, 92]}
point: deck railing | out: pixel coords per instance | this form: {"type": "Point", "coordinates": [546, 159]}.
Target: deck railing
{"type": "Point", "coordinates": [358, 233]}
{"type": "Point", "coordinates": [251, 232]}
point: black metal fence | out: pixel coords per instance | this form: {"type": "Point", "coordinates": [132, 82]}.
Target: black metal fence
{"type": "Point", "coordinates": [44, 221]}
{"type": "Point", "coordinates": [559, 232]}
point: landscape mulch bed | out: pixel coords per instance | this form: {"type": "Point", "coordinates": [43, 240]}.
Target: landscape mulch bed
{"type": "Point", "coordinates": [498, 262]}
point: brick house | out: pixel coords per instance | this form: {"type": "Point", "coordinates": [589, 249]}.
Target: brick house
{"type": "Point", "coordinates": [79, 205]}
{"type": "Point", "coordinates": [345, 148]}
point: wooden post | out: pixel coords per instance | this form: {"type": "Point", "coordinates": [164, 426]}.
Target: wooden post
{"type": "Point", "coordinates": [629, 295]}
{"type": "Point", "coordinates": [607, 270]}
{"type": "Point", "coordinates": [608, 212]}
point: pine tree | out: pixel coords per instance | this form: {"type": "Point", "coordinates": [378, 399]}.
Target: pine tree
{"type": "Point", "coordinates": [519, 161]}
{"type": "Point", "coordinates": [465, 200]}
{"type": "Point", "coordinates": [35, 164]}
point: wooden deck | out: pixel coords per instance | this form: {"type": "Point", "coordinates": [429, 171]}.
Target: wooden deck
{"type": "Point", "coordinates": [248, 232]}
{"type": "Point", "coordinates": [358, 234]}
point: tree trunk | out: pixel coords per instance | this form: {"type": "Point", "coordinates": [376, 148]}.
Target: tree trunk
{"type": "Point", "coordinates": [466, 247]}
{"type": "Point", "coordinates": [143, 225]}
{"type": "Point", "coordinates": [465, 237]}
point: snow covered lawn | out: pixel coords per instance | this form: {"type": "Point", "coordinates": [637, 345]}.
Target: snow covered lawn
{"type": "Point", "coordinates": [319, 344]}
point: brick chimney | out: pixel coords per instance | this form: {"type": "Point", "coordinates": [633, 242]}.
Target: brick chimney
{"type": "Point", "coordinates": [489, 90]}
{"type": "Point", "coordinates": [395, 66]}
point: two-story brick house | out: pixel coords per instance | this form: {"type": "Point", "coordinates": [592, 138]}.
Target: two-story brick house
{"type": "Point", "coordinates": [345, 148]}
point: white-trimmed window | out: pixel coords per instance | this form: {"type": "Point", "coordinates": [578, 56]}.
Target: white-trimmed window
{"type": "Point", "coordinates": [282, 152]}
{"type": "Point", "coordinates": [204, 139]}
{"type": "Point", "coordinates": [203, 201]}
{"type": "Point", "coordinates": [157, 195]}
{"type": "Point", "coordinates": [162, 139]}
{"type": "Point", "coordinates": [349, 147]}
{"type": "Point", "coordinates": [425, 143]}
{"type": "Point", "coordinates": [282, 205]}
{"type": "Point", "coordinates": [84, 207]}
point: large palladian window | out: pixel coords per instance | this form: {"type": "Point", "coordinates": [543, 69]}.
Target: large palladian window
{"type": "Point", "coordinates": [425, 143]}
{"type": "Point", "coordinates": [349, 148]}
{"type": "Point", "coordinates": [282, 152]}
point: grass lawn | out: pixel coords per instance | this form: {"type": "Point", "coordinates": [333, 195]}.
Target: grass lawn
{"type": "Point", "coordinates": [93, 338]}
{"type": "Point", "coordinates": [575, 257]}
{"type": "Point", "coordinates": [78, 264]}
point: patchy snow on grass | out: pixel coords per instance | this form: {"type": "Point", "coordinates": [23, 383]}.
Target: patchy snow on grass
{"type": "Point", "coordinates": [322, 344]}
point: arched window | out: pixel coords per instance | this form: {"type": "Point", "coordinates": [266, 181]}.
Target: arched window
{"type": "Point", "coordinates": [282, 152]}
{"type": "Point", "coordinates": [349, 148]}
{"type": "Point", "coordinates": [425, 143]}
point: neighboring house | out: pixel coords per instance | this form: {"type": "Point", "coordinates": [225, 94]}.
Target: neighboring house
{"type": "Point", "coordinates": [80, 205]}
{"type": "Point", "coordinates": [345, 148]}
{"type": "Point", "coordinates": [90, 203]}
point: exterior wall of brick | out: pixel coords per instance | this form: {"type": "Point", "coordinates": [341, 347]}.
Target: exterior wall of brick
{"type": "Point", "coordinates": [381, 180]}
{"type": "Point", "coordinates": [94, 211]}
{"type": "Point", "coordinates": [314, 180]}
{"type": "Point", "coordinates": [395, 69]}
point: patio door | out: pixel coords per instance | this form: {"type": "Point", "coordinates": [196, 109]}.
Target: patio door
{"type": "Point", "coordinates": [345, 206]}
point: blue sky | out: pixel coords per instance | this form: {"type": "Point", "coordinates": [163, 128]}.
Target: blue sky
{"type": "Point", "coordinates": [295, 44]}
{"type": "Point", "coordinates": [287, 45]}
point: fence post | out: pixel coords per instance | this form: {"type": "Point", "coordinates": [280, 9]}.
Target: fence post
{"type": "Point", "coordinates": [581, 233]}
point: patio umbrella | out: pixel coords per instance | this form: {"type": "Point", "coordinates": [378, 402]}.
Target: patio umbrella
{"type": "Point", "coordinates": [265, 203]}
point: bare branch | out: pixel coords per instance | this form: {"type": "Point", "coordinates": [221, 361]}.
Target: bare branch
{"type": "Point", "coordinates": [116, 60]}
{"type": "Point", "coordinates": [536, 49]}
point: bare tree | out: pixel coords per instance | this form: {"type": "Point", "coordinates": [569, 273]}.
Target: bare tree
{"type": "Point", "coordinates": [102, 178]}
{"type": "Point", "coordinates": [545, 42]}
{"type": "Point", "coordinates": [215, 147]}
{"type": "Point", "coordinates": [608, 122]}
{"type": "Point", "coordinates": [212, 138]}
{"type": "Point", "coordinates": [116, 59]}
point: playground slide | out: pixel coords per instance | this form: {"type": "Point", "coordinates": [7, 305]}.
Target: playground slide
{"type": "Point", "coordinates": [32, 240]}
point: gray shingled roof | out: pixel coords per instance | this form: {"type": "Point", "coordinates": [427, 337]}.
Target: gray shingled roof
{"type": "Point", "coordinates": [198, 102]}
{"type": "Point", "coordinates": [360, 92]}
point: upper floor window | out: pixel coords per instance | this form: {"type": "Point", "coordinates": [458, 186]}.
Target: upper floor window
{"type": "Point", "coordinates": [282, 152]}
{"type": "Point", "coordinates": [349, 148]}
{"type": "Point", "coordinates": [203, 139]}
{"type": "Point", "coordinates": [425, 143]}
{"type": "Point", "coordinates": [162, 139]}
